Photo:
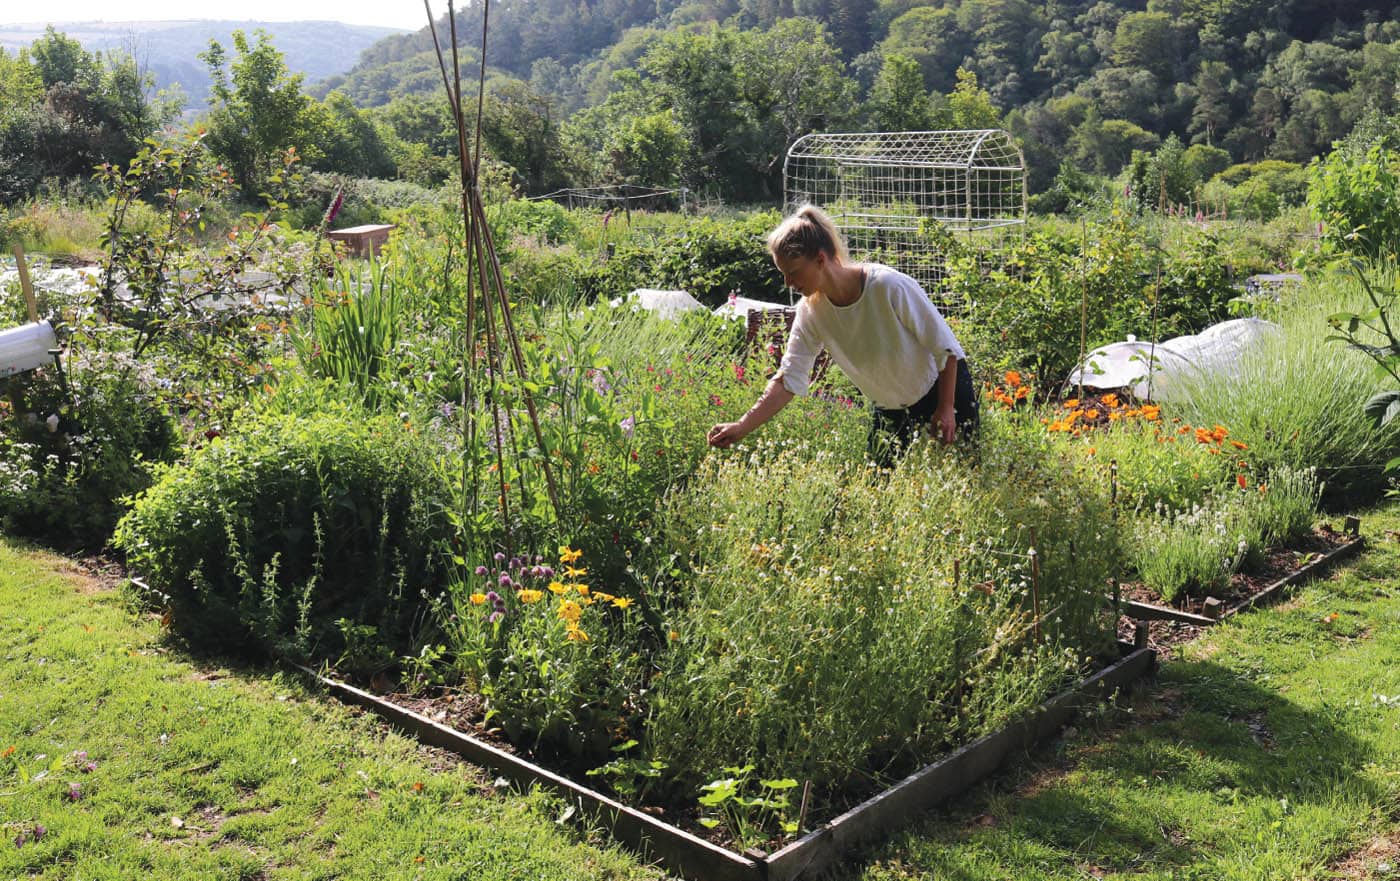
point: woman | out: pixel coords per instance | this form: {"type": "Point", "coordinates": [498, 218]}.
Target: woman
{"type": "Point", "coordinates": [879, 326]}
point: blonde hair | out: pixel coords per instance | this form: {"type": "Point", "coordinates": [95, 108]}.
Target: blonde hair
{"type": "Point", "coordinates": [805, 233]}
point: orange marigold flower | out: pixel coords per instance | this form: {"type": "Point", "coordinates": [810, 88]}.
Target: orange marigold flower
{"type": "Point", "coordinates": [1091, 414]}
{"type": "Point", "coordinates": [1022, 392]}
{"type": "Point", "coordinates": [1071, 403]}
{"type": "Point", "coordinates": [1183, 429]}
{"type": "Point", "coordinates": [1110, 400]}
{"type": "Point", "coordinates": [1012, 378]}
{"type": "Point", "coordinates": [1241, 481]}
{"type": "Point", "coordinates": [1239, 445]}
{"type": "Point", "coordinates": [1204, 437]}
{"type": "Point", "coordinates": [1219, 433]}
{"type": "Point", "coordinates": [1114, 416]}
{"type": "Point", "coordinates": [1093, 450]}
{"type": "Point", "coordinates": [1151, 413]}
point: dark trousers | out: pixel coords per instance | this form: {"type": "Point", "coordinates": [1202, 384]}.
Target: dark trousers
{"type": "Point", "coordinates": [891, 431]}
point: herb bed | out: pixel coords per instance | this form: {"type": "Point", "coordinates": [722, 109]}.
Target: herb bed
{"type": "Point", "coordinates": [693, 856]}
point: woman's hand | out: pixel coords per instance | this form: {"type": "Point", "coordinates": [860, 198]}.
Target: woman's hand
{"type": "Point", "coordinates": [944, 425]}
{"type": "Point", "coordinates": [725, 435]}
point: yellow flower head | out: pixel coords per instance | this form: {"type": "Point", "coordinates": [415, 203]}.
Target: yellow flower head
{"type": "Point", "coordinates": [568, 554]}
{"type": "Point", "coordinates": [557, 588]}
{"type": "Point", "coordinates": [528, 596]}
{"type": "Point", "coordinates": [477, 598]}
{"type": "Point", "coordinates": [621, 602]}
{"type": "Point", "coordinates": [582, 589]}
{"type": "Point", "coordinates": [576, 635]}
{"type": "Point", "coordinates": [571, 572]}
{"type": "Point", "coordinates": [570, 610]}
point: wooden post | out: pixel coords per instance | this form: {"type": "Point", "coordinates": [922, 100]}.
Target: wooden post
{"type": "Point", "coordinates": [1140, 635]}
{"type": "Point", "coordinates": [1214, 608]}
{"type": "Point", "coordinates": [1035, 586]}
{"type": "Point", "coordinates": [1352, 525]}
{"type": "Point", "coordinates": [25, 284]}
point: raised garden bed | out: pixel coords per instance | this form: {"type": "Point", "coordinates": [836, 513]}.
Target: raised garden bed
{"type": "Point", "coordinates": [1248, 590]}
{"type": "Point", "coordinates": [693, 856]}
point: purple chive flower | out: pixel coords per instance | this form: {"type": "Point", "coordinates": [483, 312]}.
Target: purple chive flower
{"type": "Point", "coordinates": [80, 755]}
{"type": "Point", "coordinates": [495, 616]}
{"type": "Point", "coordinates": [514, 563]}
{"type": "Point", "coordinates": [492, 597]}
{"type": "Point", "coordinates": [39, 832]}
{"type": "Point", "coordinates": [537, 571]}
{"type": "Point", "coordinates": [481, 571]}
{"type": "Point", "coordinates": [546, 571]}
{"type": "Point", "coordinates": [539, 558]}
{"type": "Point", "coordinates": [628, 426]}
{"type": "Point", "coordinates": [89, 767]}
{"type": "Point", "coordinates": [505, 580]}
{"type": "Point", "coordinates": [500, 557]}
{"type": "Point", "coordinates": [75, 791]}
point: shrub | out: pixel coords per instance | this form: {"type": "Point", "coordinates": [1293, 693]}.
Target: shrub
{"type": "Point", "coordinates": [294, 522]}
{"type": "Point", "coordinates": [69, 460]}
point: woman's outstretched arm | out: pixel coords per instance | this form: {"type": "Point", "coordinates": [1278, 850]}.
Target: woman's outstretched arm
{"type": "Point", "coordinates": [774, 398]}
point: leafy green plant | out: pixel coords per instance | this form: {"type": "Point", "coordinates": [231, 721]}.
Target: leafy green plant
{"type": "Point", "coordinates": [750, 809]}
{"type": "Point", "coordinates": [1372, 333]}
{"type": "Point", "coordinates": [268, 535]}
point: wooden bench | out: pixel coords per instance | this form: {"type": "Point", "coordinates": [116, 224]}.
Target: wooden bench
{"type": "Point", "coordinates": [362, 241]}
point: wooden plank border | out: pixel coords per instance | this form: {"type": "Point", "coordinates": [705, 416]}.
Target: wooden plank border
{"type": "Point", "coordinates": [687, 854]}
{"type": "Point", "coordinates": [1150, 612]}
{"type": "Point", "coordinates": [694, 857]}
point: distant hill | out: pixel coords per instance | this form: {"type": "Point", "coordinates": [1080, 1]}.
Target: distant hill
{"type": "Point", "coordinates": [170, 49]}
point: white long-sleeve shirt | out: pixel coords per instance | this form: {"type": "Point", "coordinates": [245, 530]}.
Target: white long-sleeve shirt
{"type": "Point", "coordinates": [892, 342]}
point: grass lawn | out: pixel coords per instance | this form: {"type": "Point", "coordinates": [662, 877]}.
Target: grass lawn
{"type": "Point", "coordinates": [192, 771]}
{"type": "Point", "coordinates": [1269, 749]}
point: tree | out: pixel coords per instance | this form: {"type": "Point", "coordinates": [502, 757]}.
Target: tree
{"type": "Point", "coordinates": [650, 150]}
{"type": "Point", "coordinates": [257, 109]}
{"type": "Point", "coordinates": [520, 127]}
{"type": "Point", "coordinates": [898, 101]}
{"type": "Point", "coordinates": [932, 37]}
{"type": "Point", "coordinates": [1146, 40]}
{"type": "Point", "coordinates": [969, 106]}
{"type": "Point", "coordinates": [1212, 109]}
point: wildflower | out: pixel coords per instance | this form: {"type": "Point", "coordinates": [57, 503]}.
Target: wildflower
{"type": "Point", "coordinates": [1110, 400]}
{"type": "Point", "coordinates": [739, 372]}
{"type": "Point", "coordinates": [1022, 392]}
{"type": "Point", "coordinates": [500, 557]}
{"type": "Point", "coordinates": [628, 425]}
{"type": "Point", "coordinates": [1204, 437]}
{"type": "Point", "coordinates": [1218, 433]}
{"type": "Point", "coordinates": [1071, 403]}
{"type": "Point", "coordinates": [75, 792]}
{"type": "Point", "coordinates": [1151, 412]}
{"type": "Point", "coordinates": [1092, 450]}
{"type": "Point", "coordinates": [1239, 445]}
{"type": "Point", "coordinates": [575, 635]}
{"type": "Point", "coordinates": [481, 571]}
{"type": "Point", "coordinates": [492, 597]}
{"type": "Point", "coordinates": [716, 401]}
{"type": "Point", "coordinates": [602, 597]}
{"type": "Point", "coordinates": [621, 602]}
{"type": "Point", "coordinates": [527, 596]}
{"type": "Point", "coordinates": [495, 616]}
{"type": "Point", "coordinates": [582, 589]}
{"type": "Point", "coordinates": [557, 588]}
{"type": "Point", "coordinates": [570, 610]}
{"type": "Point", "coordinates": [1012, 378]}
{"type": "Point", "coordinates": [505, 580]}
{"type": "Point", "coordinates": [571, 572]}
{"type": "Point", "coordinates": [477, 598]}
{"type": "Point", "coordinates": [1241, 481]}
{"type": "Point", "coordinates": [1091, 414]}
{"type": "Point", "coordinates": [568, 554]}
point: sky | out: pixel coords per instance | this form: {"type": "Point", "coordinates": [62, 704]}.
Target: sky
{"type": "Point", "coordinates": [407, 14]}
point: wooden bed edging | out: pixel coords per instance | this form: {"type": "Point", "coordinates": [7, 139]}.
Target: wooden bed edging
{"type": "Point", "coordinates": [680, 851]}
{"type": "Point", "coordinates": [1150, 612]}
{"type": "Point", "coordinates": [694, 857]}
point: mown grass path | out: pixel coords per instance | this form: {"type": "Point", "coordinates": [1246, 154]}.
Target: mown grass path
{"type": "Point", "coordinates": [156, 767]}
{"type": "Point", "coordinates": [1270, 749]}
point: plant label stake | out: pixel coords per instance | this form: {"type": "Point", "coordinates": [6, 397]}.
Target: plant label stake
{"type": "Point", "coordinates": [1035, 585]}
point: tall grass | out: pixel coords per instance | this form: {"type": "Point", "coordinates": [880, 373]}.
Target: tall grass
{"type": "Point", "coordinates": [1296, 398]}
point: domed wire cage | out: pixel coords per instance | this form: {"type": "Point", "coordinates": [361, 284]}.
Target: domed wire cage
{"type": "Point", "coordinates": [912, 199]}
